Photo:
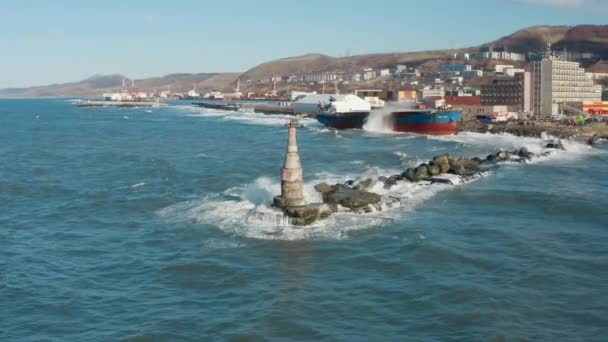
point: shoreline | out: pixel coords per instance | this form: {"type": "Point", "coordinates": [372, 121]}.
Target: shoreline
{"type": "Point", "coordinates": [535, 128]}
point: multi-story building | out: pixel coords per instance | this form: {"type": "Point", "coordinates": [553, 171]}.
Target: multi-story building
{"type": "Point", "coordinates": [514, 92]}
{"type": "Point", "coordinates": [432, 92]}
{"type": "Point", "coordinates": [504, 55]}
{"type": "Point", "coordinates": [368, 74]}
{"type": "Point", "coordinates": [557, 83]}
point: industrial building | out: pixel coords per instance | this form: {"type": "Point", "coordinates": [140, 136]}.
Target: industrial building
{"type": "Point", "coordinates": [514, 92]}
{"type": "Point", "coordinates": [558, 85]}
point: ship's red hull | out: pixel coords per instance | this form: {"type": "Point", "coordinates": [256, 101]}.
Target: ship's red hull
{"type": "Point", "coordinates": [433, 128]}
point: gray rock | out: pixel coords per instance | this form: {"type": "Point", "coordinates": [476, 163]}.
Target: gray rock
{"type": "Point", "coordinates": [556, 144]}
{"type": "Point", "coordinates": [462, 166]}
{"type": "Point", "coordinates": [309, 214]}
{"type": "Point", "coordinates": [365, 184]}
{"type": "Point", "coordinates": [323, 188]}
{"type": "Point", "coordinates": [434, 170]}
{"type": "Point", "coordinates": [443, 162]}
{"type": "Point", "coordinates": [502, 155]}
{"type": "Point", "coordinates": [524, 153]}
{"type": "Point", "coordinates": [410, 174]}
{"type": "Point", "coordinates": [421, 172]}
{"type": "Point", "coordinates": [360, 199]}
{"type": "Point", "coordinates": [392, 180]}
{"type": "Point", "coordinates": [491, 158]}
{"type": "Point", "coordinates": [352, 199]}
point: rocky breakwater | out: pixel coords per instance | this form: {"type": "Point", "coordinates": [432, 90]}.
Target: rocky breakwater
{"type": "Point", "coordinates": [588, 133]}
{"type": "Point", "coordinates": [357, 196]}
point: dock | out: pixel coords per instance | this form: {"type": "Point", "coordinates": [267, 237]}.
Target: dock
{"type": "Point", "coordinates": [263, 108]}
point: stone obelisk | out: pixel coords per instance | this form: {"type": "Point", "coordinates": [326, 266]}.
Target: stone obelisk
{"type": "Point", "coordinates": [291, 174]}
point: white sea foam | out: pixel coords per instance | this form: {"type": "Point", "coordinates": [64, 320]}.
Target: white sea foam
{"type": "Point", "coordinates": [245, 211]}
{"type": "Point", "coordinates": [247, 117]}
{"type": "Point", "coordinates": [573, 149]}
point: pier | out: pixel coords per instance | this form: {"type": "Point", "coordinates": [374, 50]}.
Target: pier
{"type": "Point", "coordinates": [119, 104]}
{"type": "Point", "coordinates": [263, 108]}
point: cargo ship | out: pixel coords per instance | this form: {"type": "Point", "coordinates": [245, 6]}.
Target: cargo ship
{"type": "Point", "coordinates": [336, 111]}
{"type": "Point", "coordinates": [352, 120]}
{"type": "Point", "coordinates": [426, 121]}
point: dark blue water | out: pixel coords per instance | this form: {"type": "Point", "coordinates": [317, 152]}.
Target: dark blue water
{"type": "Point", "coordinates": [152, 225]}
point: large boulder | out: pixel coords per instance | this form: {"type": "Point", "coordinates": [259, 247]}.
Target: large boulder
{"type": "Point", "coordinates": [421, 171]}
{"type": "Point", "coordinates": [463, 166]}
{"type": "Point", "coordinates": [556, 144]}
{"type": "Point", "coordinates": [443, 162]}
{"type": "Point", "coordinates": [469, 164]}
{"type": "Point", "coordinates": [410, 174]}
{"type": "Point", "coordinates": [323, 188]}
{"type": "Point", "coordinates": [365, 184]}
{"type": "Point", "coordinates": [360, 199]}
{"type": "Point", "coordinates": [524, 153]}
{"type": "Point", "coordinates": [434, 170]}
{"type": "Point", "coordinates": [502, 155]}
{"type": "Point", "coordinates": [392, 180]}
{"type": "Point", "coordinates": [350, 198]}
{"type": "Point", "coordinates": [309, 214]}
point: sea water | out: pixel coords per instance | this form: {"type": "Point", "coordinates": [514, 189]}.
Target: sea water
{"type": "Point", "coordinates": [154, 224]}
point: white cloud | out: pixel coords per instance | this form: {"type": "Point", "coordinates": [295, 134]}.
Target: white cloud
{"type": "Point", "coordinates": [556, 3]}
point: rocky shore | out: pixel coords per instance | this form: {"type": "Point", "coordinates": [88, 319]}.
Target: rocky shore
{"type": "Point", "coordinates": [536, 128]}
{"type": "Point", "coordinates": [356, 196]}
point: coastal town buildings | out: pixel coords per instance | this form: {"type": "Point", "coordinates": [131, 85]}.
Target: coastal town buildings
{"type": "Point", "coordinates": [454, 68]}
{"type": "Point", "coordinates": [514, 92]}
{"type": "Point", "coordinates": [503, 55]}
{"type": "Point", "coordinates": [559, 84]}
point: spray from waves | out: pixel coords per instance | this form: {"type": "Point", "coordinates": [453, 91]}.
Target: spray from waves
{"type": "Point", "coordinates": [244, 210]}
{"type": "Point", "coordinates": [506, 141]}
{"type": "Point", "coordinates": [380, 120]}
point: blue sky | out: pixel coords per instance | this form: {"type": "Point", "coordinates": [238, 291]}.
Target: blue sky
{"type": "Point", "coordinates": [44, 42]}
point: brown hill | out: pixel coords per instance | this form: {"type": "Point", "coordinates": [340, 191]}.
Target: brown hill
{"type": "Point", "coordinates": [317, 63]}
{"type": "Point", "coordinates": [97, 85]}
{"type": "Point", "coordinates": [581, 38]}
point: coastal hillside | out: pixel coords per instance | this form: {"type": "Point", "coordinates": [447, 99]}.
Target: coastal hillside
{"type": "Point", "coordinates": [315, 63]}
{"type": "Point", "coordinates": [581, 38]}
{"type": "Point", "coordinates": [95, 86]}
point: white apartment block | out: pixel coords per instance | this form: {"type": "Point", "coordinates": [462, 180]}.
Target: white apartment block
{"type": "Point", "coordinates": [556, 81]}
